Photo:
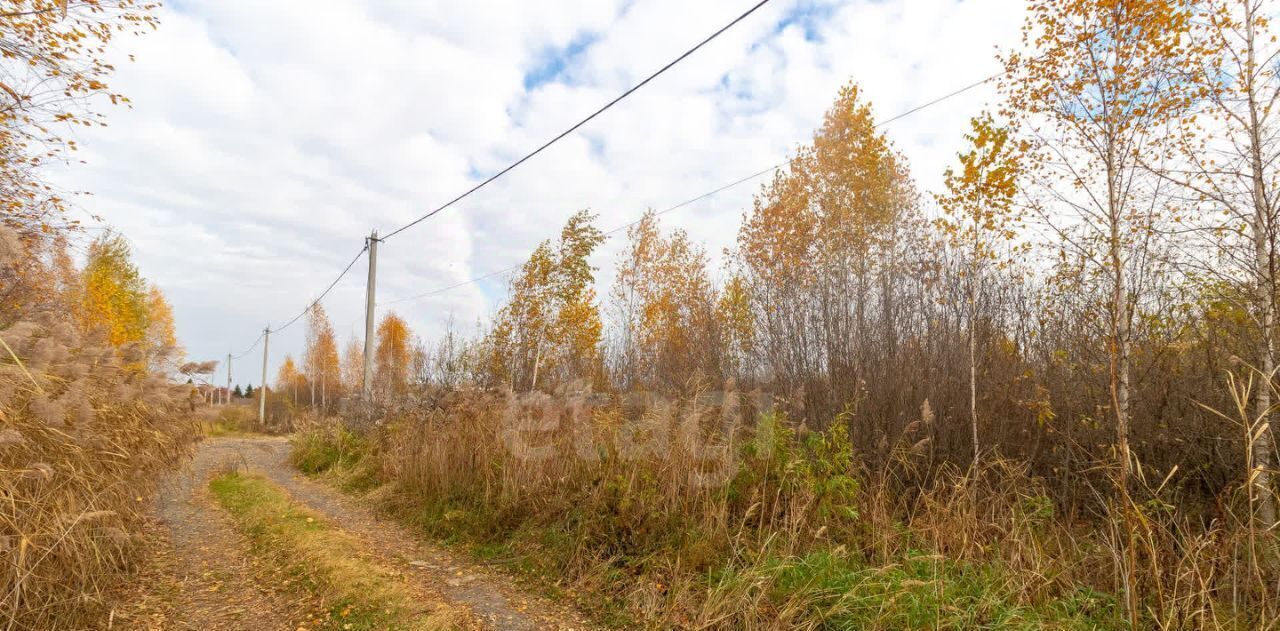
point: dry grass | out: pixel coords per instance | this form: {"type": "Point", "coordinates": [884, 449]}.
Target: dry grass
{"type": "Point", "coordinates": [681, 520]}
{"type": "Point", "coordinates": [230, 420]}
{"type": "Point", "coordinates": [357, 593]}
{"type": "Point", "coordinates": [85, 436]}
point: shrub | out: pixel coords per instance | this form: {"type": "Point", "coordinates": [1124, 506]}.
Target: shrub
{"type": "Point", "coordinates": [232, 419]}
{"type": "Point", "coordinates": [330, 447]}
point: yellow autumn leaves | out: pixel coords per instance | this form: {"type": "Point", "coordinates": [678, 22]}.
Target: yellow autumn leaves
{"type": "Point", "coordinates": [54, 56]}
{"type": "Point", "coordinates": [550, 328]}
{"type": "Point", "coordinates": [111, 296]}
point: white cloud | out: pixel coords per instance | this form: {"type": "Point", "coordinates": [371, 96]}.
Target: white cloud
{"type": "Point", "coordinates": [267, 139]}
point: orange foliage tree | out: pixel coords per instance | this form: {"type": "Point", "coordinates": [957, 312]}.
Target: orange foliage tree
{"type": "Point", "coordinates": [1102, 82]}
{"type": "Point", "coordinates": [289, 380]}
{"type": "Point", "coordinates": [822, 254]}
{"type": "Point", "coordinates": [352, 370]}
{"type": "Point", "coordinates": [979, 219]}
{"type": "Point", "coordinates": [161, 338]}
{"type": "Point", "coordinates": [665, 306]}
{"type": "Point", "coordinates": [1098, 92]}
{"type": "Point", "coordinates": [392, 357]}
{"type": "Point", "coordinates": [321, 356]}
{"type": "Point", "coordinates": [1228, 149]}
{"type": "Point", "coordinates": [737, 328]}
{"type": "Point", "coordinates": [549, 330]}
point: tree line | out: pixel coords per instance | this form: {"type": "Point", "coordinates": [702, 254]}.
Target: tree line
{"type": "Point", "coordinates": [1100, 258]}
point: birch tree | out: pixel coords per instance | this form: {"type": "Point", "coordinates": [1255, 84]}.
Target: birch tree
{"type": "Point", "coordinates": [321, 355]}
{"type": "Point", "coordinates": [1095, 94]}
{"type": "Point", "coordinates": [1226, 155]}
{"type": "Point", "coordinates": [979, 221]}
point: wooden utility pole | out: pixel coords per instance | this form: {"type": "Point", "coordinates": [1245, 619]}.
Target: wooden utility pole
{"type": "Point", "coordinates": [311, 367]}
{"type": "Point", "coordinates": [227, 398]}
{"type": "Point", "coordinates": [262, 387]}
{"type": "Point", "coordinates": [369, 301]}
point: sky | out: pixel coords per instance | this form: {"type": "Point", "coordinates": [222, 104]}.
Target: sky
{"type": "Point", "coordinates": [267, 139]}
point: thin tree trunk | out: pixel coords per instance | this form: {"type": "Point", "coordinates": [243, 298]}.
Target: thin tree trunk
{"type": "Point", "coordinates": [537, 362]}
{"type": "Point", "coordinates": [1118, 354]}
{"type": "Point", "coordinates": [973, 355]}
{"type": "Point", "coordinates": [1261, 440]}
{"type": "Point", "coordinates": [1264, 295]}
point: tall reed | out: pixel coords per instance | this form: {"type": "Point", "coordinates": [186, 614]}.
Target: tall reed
{"type": "Point", "coordinates": [84, 435]}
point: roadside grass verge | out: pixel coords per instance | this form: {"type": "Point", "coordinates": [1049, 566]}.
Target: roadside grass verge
{"type": "Point", "coordinates": [357, 594]}
{"type": "Point", "coordinates": [920, 591]}
{"type": "Point", "coordinates": [789, 542]}
{"type": "Point", "coordinates": [697, 585]}
{"type": "Point", "coordinates": [337, 453]}
{"type": "Point", "coordinates": [349, 462]}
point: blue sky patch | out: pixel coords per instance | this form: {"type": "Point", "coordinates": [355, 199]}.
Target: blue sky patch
{"type": "Point", "coordinates": [808, 16]}
{"type": "Point", "coordinates": [552, 63]}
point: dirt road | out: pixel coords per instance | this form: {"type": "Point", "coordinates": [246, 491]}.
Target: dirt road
{"type": "Point", "coordinates": [204, 576]}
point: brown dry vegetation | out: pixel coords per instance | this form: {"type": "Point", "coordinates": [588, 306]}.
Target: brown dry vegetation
{"type": "Point", "coordinates": [675, 518]}
{"type": "Point", "coordinates": [1046, 403]}
{"type": "Point", "coordinates": [85, 433]}
{"type": "Point", "coordinates": [88, 419]}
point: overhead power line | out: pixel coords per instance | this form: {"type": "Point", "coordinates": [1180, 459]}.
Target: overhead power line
{"type": "Point", "coordinates": [309, 306]}
{"type": "Point", "coordinates": [251, 347]}
{"type": "Point", "coordinates": [710, 193]}
{"type": "Point", "coordinates": [517, 163]}
{"type": "Point", "coordinates": [607, 233]}
{"type": "Point", "coordinates": [941, 98]}
{"type": "Point", "coordinates": [454, 286]}
{"type": "Point", "coordinates": [326, 290]}
{"type": "Point", "coordinates": [580, 123]}
{"type": "Point", "coordinates": [694, 200]}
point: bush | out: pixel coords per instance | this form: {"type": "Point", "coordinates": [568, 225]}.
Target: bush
{"type": "Point", "coordinates": [330, 447]}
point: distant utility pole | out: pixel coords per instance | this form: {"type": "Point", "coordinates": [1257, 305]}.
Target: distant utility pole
{"type": "Point", "coordinates": [310, 366]}
{"type": "Point", "coordinates": [226, 399]}
{"type": "Point", "coordinates": [369, 301]}
{"type": "Point", "coordinates": [262, 388]}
